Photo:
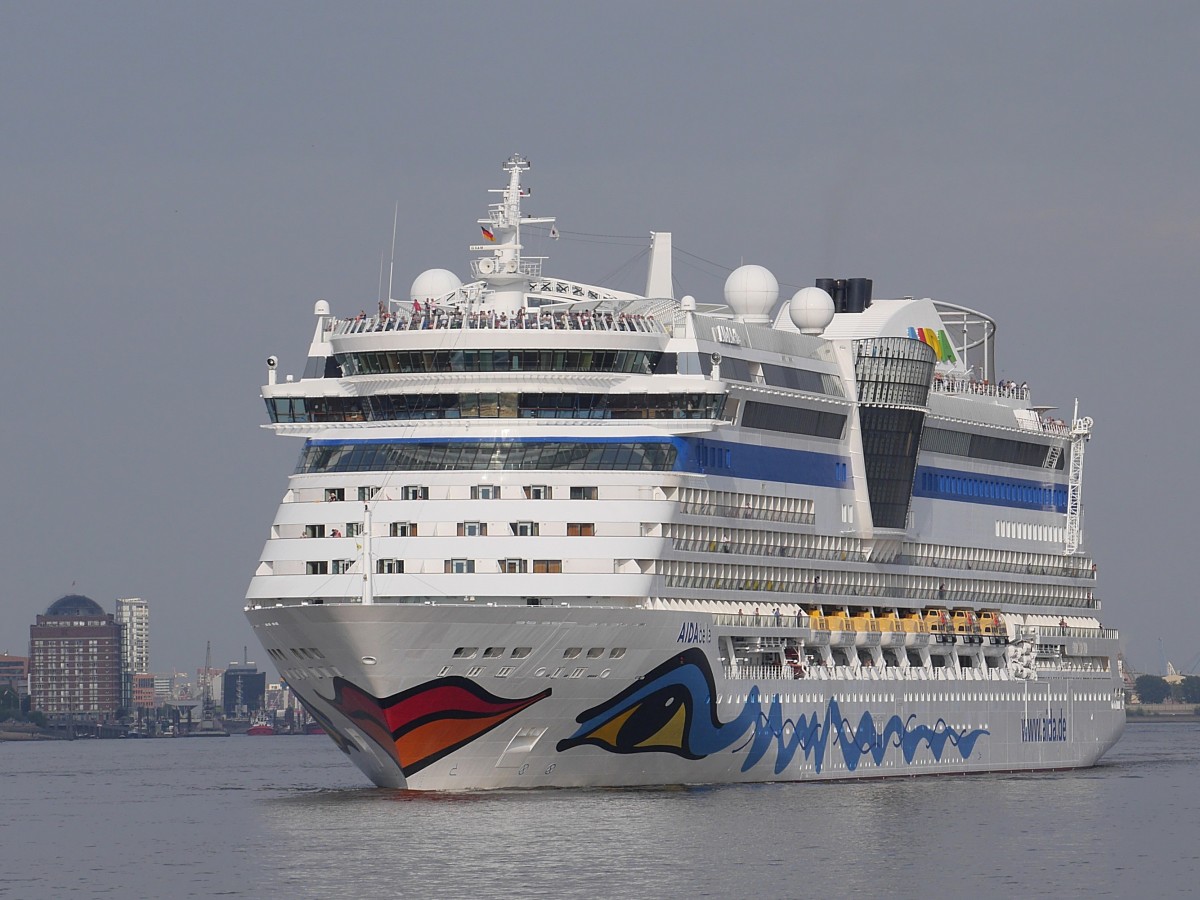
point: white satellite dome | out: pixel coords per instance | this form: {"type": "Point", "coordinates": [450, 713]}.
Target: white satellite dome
{"type": "Point", "coordinates": [811, 310]}
{"type": "Point", "coordinates": [433, 284]}
{"type": "Point", "coordinates": [751, 291]}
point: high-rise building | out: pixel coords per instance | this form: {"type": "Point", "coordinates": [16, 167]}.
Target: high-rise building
{"type": "Point", "coordinates": [133, 615]}
{"type": "Point", "coordinates": [75, 660]}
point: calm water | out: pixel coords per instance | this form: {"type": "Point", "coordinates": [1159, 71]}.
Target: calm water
{"type": "Point", "coordinates": [289, 817]}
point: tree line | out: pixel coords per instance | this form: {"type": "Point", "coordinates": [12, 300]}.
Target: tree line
{"type": "Point", "coordinates": [1156, 689]}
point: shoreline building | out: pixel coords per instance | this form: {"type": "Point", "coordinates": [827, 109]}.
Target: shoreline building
{"type": "Point", "coordinates": [244, 690]}
{"type": "Point", "coordinates": [133, 615]}
{"type": "Point", "coordinates": [14, 674]}
{"type": "Point", "coordinates": [75, 660]}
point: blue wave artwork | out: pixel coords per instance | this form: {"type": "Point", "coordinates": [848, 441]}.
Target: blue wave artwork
{"type": "Point", "coordinates": [672, 709]}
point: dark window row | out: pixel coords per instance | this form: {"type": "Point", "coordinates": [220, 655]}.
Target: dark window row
{"type": "Point", "coordinates": [890, 438]}
{"type": "Point", "coordinates": [983, 446]}
{"type": "Point", "coordinates": [731, 367]}
{"type": "Point", "coordinates": [387, 407]}
{"type": "Point", "coordinates": [398, 362]}
{"type": "Point", "coordinates": [793, 420]}
{"type": "Point", "coordinates": [711, 457]}
{"type": "Point", "coordinates": [796, 379]}
{"type": "Point", "coordinates": [890, 393]}
{"type": "Point", "coordinates": [509, 455]}
{"type": "Point", "coordinates": [893, 371]}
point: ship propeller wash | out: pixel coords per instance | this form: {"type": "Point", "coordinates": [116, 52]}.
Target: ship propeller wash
{"type": "Point", "coordinates": [545, 533]}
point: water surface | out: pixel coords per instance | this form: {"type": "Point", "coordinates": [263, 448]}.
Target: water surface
{"type": "Point", "coordinates": [289, 816]}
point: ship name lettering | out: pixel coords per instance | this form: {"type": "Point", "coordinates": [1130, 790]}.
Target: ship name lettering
{"type": "Point", "coordinates": [694, 633]}
{"type": "Point", "coordinates": [727, 335]}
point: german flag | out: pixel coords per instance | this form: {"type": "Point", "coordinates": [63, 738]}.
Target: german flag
{"type": "Point", "coordinates": [487, 234]}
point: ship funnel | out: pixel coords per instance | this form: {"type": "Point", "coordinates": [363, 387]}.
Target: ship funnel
{"type": "Point", "coordinates": [850, 295]}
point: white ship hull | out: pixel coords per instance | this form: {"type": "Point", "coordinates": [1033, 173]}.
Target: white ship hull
{"type": "Point", "coordinates": [414, 719]}
{"type": "Point", "coordinates": [534, 522]}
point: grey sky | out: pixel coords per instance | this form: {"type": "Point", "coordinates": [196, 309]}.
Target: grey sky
{"type": "Point", "coordinates": [181, 182]}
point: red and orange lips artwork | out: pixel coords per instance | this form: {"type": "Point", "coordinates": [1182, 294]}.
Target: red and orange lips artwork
{"type": "Point", "coordinates": [423, 724]}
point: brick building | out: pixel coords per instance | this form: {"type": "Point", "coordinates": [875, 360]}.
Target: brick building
{"type": "Point", "coordinates": [75, 660]}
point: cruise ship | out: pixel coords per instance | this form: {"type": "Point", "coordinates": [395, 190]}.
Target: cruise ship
{"type": "Point", "coordinates": [543, 533]}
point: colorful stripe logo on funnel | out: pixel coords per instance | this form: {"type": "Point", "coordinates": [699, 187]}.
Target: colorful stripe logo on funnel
{"type": "Point", "coordinates": [425, 723]}
{"type": "Point", "coordinates": [935, 339]}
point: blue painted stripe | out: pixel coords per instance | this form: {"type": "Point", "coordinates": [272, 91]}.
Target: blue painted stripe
{"type": "Point", "coordinates": [710, 457]}
{"type": "Point", "coordinates": [990, 490]}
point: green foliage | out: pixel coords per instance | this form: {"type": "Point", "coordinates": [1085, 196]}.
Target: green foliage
{"type": "Point", "coordinates": [10, 705]}
{"type": "Point", "coordinates": [1189, 691]}
{"type": "Point", "coordinates": [1152, 688]}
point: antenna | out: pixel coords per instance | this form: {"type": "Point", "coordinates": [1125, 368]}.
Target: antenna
{"type": "Point", "coordinates": [381, 275]}
{"type": "Point", "coordinates": [392, 264]}
{"type": "Point", "coordinates": [207, 694]}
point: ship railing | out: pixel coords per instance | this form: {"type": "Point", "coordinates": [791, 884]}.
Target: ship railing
{"type": "Point", "coordinates": [758, 673]}
{"type": "Point", "coordinates": [943, 384]}
{"type": "Point", "coordinates": [528, 320]}
{"type": "Point", "coordinates": [783, 620]}
{"type": "Point", "coordinates": [740, 512]}
{"type": "Point", "coordinates": [821, 672]}
{"type": "Point", "coordinates": [1082, 568]}
{"type": "Point", "coordinates": [846, 592]}
{"type": "Point", "coordinates": [1073, 631]}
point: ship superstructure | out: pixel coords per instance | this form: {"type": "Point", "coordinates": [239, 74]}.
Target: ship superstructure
{"type": "Point", "coordinates": [544, 533]}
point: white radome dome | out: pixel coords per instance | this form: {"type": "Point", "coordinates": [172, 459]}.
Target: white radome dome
{"type": "Point", "coordinates": [751, 292]}
{"type": "Point", "coordinates": [811, 310]}
{"type": "Point", "coordinates": [433, 284]}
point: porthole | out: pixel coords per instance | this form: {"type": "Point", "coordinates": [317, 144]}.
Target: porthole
{"type": "Point", "coordinates": [369, 660]}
